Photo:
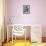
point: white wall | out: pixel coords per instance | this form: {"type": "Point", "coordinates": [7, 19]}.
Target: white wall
{"type": "Point", "coordinates": [37, 15]}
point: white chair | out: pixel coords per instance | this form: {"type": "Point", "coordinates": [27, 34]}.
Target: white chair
{"type": "Point", "coordinates": [17, 31]}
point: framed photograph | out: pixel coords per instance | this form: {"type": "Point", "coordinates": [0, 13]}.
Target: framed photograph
{"type": "Point", "coordinates": [26, 9]}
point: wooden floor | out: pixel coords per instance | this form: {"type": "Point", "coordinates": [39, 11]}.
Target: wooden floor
{"type": "Point", "coordinates": [23, 43]}
{"type": "Point", "coordinates": [18, 43]}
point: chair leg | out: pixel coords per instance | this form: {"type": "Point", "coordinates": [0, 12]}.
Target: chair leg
{"type": "Point", "coordinates": [15, 38]}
